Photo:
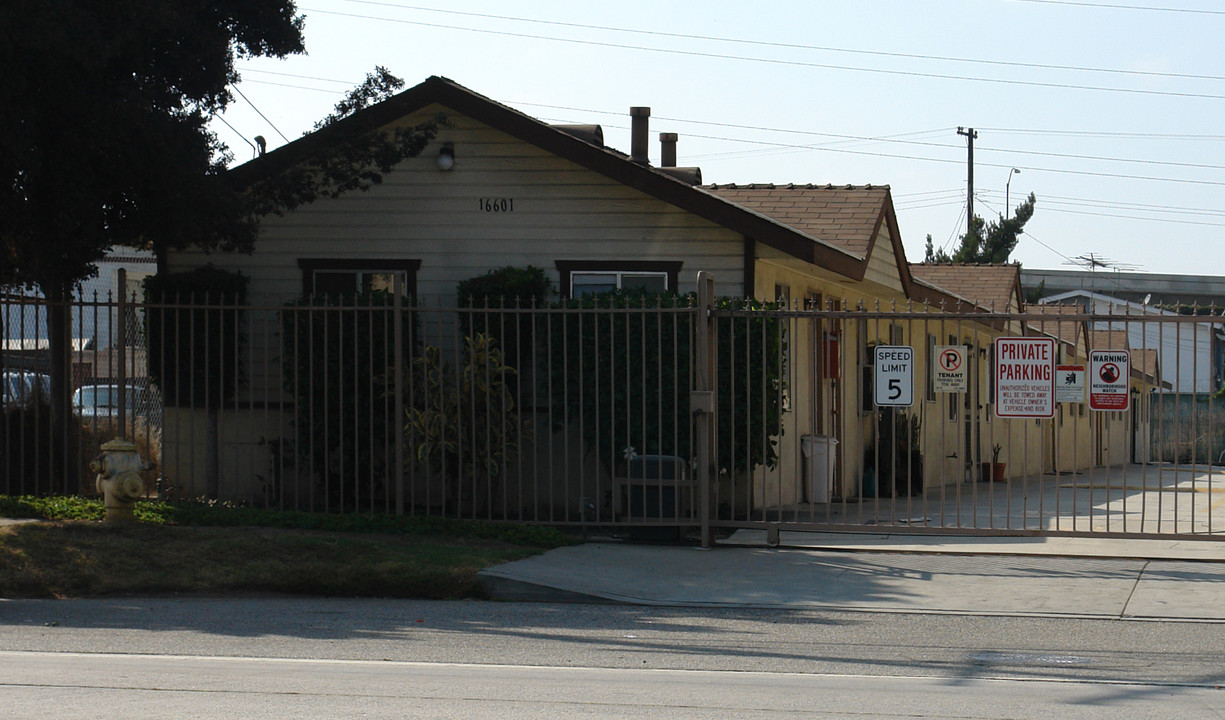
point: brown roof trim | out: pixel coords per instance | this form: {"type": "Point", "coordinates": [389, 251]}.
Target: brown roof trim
{"type": "Point", "coordinates": [607, 162]}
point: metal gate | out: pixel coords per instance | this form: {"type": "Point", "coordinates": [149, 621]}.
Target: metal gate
{"type": "Point", "coordinates": [1139, 457]}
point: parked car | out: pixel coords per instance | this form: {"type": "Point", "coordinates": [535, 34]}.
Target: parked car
{"type": "Point", "coordinates": [102, 401]}
{"type": "Point", "coordinates": [23, 388]}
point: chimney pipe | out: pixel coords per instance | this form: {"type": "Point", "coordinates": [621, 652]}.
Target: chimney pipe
{"type": "Point", "coordinates": [667, 144]}
{"type": "Point", "coordinates": [639, 132]}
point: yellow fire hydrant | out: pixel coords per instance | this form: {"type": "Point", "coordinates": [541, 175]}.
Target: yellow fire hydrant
{"type": "Point", "coordinates": [119, 479]}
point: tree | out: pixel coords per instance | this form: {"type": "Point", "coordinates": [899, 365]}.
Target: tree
{"type": "Point", "coordinates": [984, 242]}
{"type": "Point", "coordinates": [104, 140]}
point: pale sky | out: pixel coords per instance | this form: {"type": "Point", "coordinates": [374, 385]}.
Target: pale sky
{"type": "Point", "coordinates": [1110, 109]}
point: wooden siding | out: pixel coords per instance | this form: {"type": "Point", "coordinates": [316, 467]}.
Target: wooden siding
{"type": "Point", "coordinates": [561, 212]}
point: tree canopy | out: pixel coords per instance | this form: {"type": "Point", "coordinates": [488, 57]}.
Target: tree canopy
{"type": "Point", "coordinates": [104, 139]}
{"type": "Point", "coordinates": [103, 126]}
{"type": "Point", "coordinates": [985, 242]}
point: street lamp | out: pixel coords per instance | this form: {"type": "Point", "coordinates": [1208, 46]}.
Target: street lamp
{"type": "Point", "coordinates": [1007, 205]}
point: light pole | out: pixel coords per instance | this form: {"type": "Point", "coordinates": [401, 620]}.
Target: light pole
{"type": "Point", "coordinates": [1007, 205]}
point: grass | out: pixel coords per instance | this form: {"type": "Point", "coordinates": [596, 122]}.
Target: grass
{"type": "Point", "coordinates": [196, 549]}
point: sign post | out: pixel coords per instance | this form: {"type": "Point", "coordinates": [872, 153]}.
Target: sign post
{"type": "Point", "coordinates": [894, 378]}
{"type": "Point", "coordinates": [1024, 377]}
{"type": "Point", "coordinates": [1109, 371]}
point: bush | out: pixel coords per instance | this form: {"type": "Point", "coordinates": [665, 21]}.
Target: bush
{"type": "Point", "coordinates": [31, 462]}
{"type": "Point", "coordinates": [194, 335]}
{"type": "Point", "coordinates": [501, 293]}
{"type": "Point", "coordinates": [463, 423]}
{"type": "Point", "coordinates": [626, 374]}
{"type": "Point", "coordinates": [337, 355]}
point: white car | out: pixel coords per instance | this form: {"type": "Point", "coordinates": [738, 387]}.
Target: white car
{"type": "Point", "coordinates": [102, 401]}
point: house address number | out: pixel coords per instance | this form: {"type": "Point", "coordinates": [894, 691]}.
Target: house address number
{"type": "Point", "coordinates": [497, 205]}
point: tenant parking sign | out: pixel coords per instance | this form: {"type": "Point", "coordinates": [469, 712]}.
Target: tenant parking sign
{"type": "Point", "coordinates": [1108, 374]}
{"type": "Point", "coordinates": [949, 369]}
{"type": "Point", "coordinates": [1024, 377]}
{"type": "Point", "coordinates": [894, 376]}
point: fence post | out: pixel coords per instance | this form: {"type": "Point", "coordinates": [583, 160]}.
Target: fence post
{"type": "Point", "coordinates": [122, 331]}
{"type": "Point", "coordinates": [702, 399]}
{"type": "Point", "coordinates": [397, 433]}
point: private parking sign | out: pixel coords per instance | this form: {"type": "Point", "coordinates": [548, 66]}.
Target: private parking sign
{"type": "Point", "coordinates": [1024, 377]}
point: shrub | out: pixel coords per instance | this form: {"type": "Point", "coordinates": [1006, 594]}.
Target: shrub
{"type": "Point", "coordinates": [463, 423]}
{"type": "Point", "coordinates": [626, 369]}
{"type": "Point", "coordinates": [337, 354]}
{"type": "Point", "coordinates": [500, 293]}
{"type": "Point", "coordinates": [193, 329]}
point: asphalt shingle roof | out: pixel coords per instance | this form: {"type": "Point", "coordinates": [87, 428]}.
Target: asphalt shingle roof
{"type": "Point", "coordinates": [842, 215]}
{"type": "Point", "coordinates": [988, 286]}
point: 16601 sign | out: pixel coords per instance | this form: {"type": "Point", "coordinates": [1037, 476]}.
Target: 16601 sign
{"type": "Point", "coordinates": [497, 205]}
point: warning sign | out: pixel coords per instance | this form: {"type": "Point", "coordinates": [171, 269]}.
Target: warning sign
{"type": "Point", "coordinates": [949, 369]}
{"type": "Point", "coordinates": [1024, 377]}
{"type": "Point", "coordinates": [1108, 374]}
{"type": "Point", "coordinates": [1070, 383]}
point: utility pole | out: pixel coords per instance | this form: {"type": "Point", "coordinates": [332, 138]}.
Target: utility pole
{"type": "Point", "coordinates": [970, 134]}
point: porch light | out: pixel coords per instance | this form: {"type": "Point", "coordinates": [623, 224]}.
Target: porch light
{"type": "Point", "coordinates": [446, 156]}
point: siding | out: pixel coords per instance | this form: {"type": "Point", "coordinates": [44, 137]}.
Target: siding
{"type": "Point", "coordinates": [562, 211]}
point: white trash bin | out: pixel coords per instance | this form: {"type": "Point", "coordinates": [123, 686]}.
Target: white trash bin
{"type": "Point", "coordinates": [819, 455]}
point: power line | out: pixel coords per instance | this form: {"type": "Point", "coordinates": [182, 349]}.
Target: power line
{"type": "Point", "coordinates": [1116, 6]}
{"type": "Point", "coordinates": [793, 63]}
{"type": "Point", "coordinates": [794, 46]}
{"type": "Point", "coordinates": [244, 137]}
{"type": "Point", "coordinates": [265, 117]}
{"type": "Point", "coordinates": [1106, 134]}
{"type": "Point", "coordinates": [893, 138]}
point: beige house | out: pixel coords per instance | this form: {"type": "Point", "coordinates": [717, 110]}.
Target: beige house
{"type": "Point", "coordinates": [515, 191]}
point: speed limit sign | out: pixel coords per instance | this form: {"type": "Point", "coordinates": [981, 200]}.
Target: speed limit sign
{"type": "Point", "coordinates": [894, 376]}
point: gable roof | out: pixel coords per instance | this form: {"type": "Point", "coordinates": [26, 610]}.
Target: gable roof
{"type": "Point", "coordinates": [992, 287]}
{"type": "Point", "coordinates": [753, 224]}
{"type": "Point", "coordinates": [1067, 330]}
{"type": "Point", "coordinates": [846, 216]}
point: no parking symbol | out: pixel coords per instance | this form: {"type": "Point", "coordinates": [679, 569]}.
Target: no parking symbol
{"type": "Point", "coordinates": [949, 369]}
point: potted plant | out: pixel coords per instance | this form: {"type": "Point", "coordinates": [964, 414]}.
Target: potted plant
{"type": "Point", "coordinates": [994, 470]}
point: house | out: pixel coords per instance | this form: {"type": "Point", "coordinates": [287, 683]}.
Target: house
{"type": "Point", "coordinates": [499, 188]}
{"type": "Point", "coordinates": [1192, 352]}
{"type": "Point", "coordinates": [516, 191]}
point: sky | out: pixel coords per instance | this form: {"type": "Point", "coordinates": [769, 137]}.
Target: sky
{"type": "Point", "coordinates": [1108, 111]}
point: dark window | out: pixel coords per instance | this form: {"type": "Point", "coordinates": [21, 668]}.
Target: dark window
{"type": "Point", "coordinates": [340, 277]}
{"type": "Point", "coordinates": [583, 278]}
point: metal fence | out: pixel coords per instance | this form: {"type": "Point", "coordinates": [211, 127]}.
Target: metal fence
{"type": "Point", "coordinates": [623, 412]}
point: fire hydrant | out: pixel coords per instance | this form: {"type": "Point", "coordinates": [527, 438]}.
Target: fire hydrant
{"type": "Point", "coordinates": [119, 479]}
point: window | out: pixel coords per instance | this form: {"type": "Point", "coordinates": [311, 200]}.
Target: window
{"type": "Point", "coordinates": [340, 277]}
{"type": "Point", "coordinates": [585, 278]}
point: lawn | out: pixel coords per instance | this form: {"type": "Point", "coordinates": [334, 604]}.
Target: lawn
{"type": "Point", "coordinates": [194, 549]}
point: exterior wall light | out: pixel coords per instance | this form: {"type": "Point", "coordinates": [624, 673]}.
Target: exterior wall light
{"type": "Point", "coordinates": [446, 156]}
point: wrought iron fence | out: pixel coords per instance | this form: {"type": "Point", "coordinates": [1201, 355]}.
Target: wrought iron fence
{"type": "Point", "coordinates": [622, 411]}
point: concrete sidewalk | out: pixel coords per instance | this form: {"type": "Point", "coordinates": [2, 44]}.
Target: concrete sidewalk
{"type": "Point", "coordinates": [1068, 577]}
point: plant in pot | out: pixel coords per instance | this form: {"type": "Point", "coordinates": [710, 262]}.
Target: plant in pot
{"type": "Point", "coordinates": [994, 470]}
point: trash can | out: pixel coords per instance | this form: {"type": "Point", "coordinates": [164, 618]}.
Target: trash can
{"type": "Point", "coordinates": [819, 454]}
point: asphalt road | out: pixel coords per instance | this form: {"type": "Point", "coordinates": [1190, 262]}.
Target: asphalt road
{"type": "Point", "coordinates": [304, 658]}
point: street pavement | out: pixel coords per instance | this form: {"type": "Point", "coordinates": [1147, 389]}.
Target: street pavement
{"type": "Point", "coordinates": [1017, 576]}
